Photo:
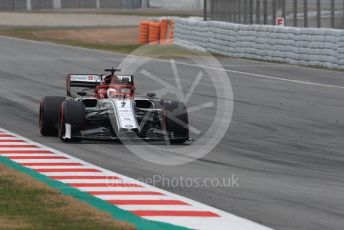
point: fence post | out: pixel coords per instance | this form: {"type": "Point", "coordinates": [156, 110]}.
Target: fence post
{"type": "Point", "coordinates": [239, 11]}
{"type": "Point", "coordinates": [283, 9]}
{"type": "Point", "coordinates": [205, 10]}
{"type": "Point", "coordinates": [295, 13]}
{"type": "Point", "coordinates": [274, 13]}
{"type": "Point", "coordinates": [251, 12]}
{"type": "Point", "coordinates": [305, 13]}
{"type": "Point", "coordinates": [318, 14]}
{"type": "Point", "coordinates": [245, 11]}
{"type": "Point", "coordinates": [234, 6]}
{"type": "Point", "coordinates": [28, 5]}
{"type": "Point", "coordinates": [332, 13]}
{"type": "Point", "coordinates": [265, 9]}
{"type": "Point", "coordinates": [258, 12]}
{"type": "Point", "coordinates": [211, 9]}
{"type": "Point", "coordinates": [230, 11]}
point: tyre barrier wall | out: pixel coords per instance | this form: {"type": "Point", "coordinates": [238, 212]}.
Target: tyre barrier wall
{"type": "Point", "coordinates": [158, 31]}
{"type": "Point", "coordinates": [301, 46]}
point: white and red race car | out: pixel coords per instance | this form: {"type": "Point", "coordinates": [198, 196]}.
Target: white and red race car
{"type": "Point", "coordinates": [105, 107]}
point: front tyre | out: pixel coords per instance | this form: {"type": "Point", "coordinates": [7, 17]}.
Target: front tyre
{"type": "Point", "coordinates": [176, 121]}
{"type": "Point", "coordinates": [49, 115]}
{"type": "Point", "coordinates": [72, 113]}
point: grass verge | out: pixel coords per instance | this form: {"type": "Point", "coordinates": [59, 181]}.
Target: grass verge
{"type": "Point", "coordinates": [29, 204]}
{"type": "Point", "coordinates": [119, 39]}
{"type": "Point", "coordinates": [93, 38]}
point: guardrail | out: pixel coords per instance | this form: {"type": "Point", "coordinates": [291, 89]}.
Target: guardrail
{"type": "Point", "coordinates": [301, 46]}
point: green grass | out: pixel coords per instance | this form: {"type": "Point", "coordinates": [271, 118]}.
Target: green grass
{"type": "Point", "coordinates": [28, 204]}
{"type": "Point", "coordinates": [29, 33]}
{"type": "Point", "coordinates": [165, 51]}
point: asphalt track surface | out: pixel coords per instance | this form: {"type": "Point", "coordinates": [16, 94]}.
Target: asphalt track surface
{"type": "Point", "coordinates": [285, 141]}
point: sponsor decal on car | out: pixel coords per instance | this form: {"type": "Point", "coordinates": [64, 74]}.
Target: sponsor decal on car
{"type": "Point", "coordinates": [85, 78]}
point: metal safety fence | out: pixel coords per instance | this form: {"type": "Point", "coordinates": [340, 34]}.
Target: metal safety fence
{"type": "Point", "coordinates": [296, 13]}
{"type": "Point", "coordinates": [15, 5]}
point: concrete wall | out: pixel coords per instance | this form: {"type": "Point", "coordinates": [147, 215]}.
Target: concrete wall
{"type": "Point", "coordinates": [303, 46]}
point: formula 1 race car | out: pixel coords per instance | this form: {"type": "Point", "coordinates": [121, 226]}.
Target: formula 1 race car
{"type": "Point", "coordinates": [104, 107]}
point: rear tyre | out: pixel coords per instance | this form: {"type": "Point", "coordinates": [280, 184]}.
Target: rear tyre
{"type": "Point", "coordinates": [72, 113]}
{"type": "Point", "coordinates": [49, 115]}
{"type": "Point", "coordinates": [177, 121]}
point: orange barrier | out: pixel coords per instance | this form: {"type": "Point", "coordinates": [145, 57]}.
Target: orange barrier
{"type": "Point", "coordinates": [163, 31]}
{"type": "Point", "coordinates": [156, 32]}
{"type": "Point", "coordinates": [144, 32]}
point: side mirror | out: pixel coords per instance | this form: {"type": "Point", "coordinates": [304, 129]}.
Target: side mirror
{"type": "Point", "coordinates": [81, 93]}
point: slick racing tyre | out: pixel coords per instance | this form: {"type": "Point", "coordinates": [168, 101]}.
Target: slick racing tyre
{"type": "Point", "coordinates": [176, 121]}
{"type": "Point", "coordinates": [49, 115]}
{"type": "Point", "coordinates": [73, 114]}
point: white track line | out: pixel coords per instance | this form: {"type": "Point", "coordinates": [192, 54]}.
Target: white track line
{"type": "Point", "coordinates": [261, 76]}
{"type": "Point", "coordinates": [220, 224]}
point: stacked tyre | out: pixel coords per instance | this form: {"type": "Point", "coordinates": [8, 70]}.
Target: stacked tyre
{"type": "Point", "coordinates": [144, 32]}
{"type": "Point", "coordinates": [154, 33]}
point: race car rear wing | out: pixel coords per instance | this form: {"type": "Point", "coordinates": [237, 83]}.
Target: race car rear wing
{"type": "Point", "coordinates": [82, 80]}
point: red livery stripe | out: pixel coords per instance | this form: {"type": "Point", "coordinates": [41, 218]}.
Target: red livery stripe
{"type": "Point", "coordinates": [125, 193]}
{"type": "Point", "coordinates": [175, 213]}
{"type": "Point", "coordinates": [84, 177]}
{"type": "Point", "coordinates": [147, 202]}
{"type": "Point", "coordinates": [104, 185]}
{"type": "Point", "coordinates": [68, 170]}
